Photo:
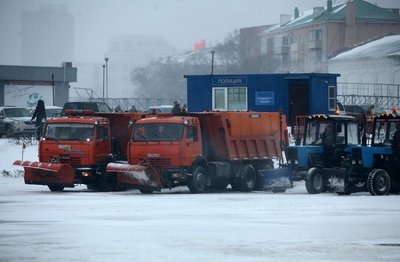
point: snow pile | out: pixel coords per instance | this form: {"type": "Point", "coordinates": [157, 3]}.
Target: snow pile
{"type": "Point", "coordinates": [79, 225]}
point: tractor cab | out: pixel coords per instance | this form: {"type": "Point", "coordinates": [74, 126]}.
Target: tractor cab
{"type": "Point", "coordinates": [378, 164]}
{"type": "Point", "coordinates": [326, 140]}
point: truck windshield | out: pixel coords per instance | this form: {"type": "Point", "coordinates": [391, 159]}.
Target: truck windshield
{"type": "Point", "coordinates": [314, 132]}
{"type": "Point", "coordinates": [69, 131]}
{"type": "Point", "coordinates": [158, 132]}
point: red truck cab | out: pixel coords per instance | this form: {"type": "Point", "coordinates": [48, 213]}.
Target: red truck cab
{"type": "Point", "coordinates": [167, 143]}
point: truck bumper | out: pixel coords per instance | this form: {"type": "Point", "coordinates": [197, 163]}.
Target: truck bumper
{"type": "Point", "coordinates": [279, 178]}
{"type": "Point", "coordinates": [53, 174]}
{"type": "Point", "coordinates": [135, 176]}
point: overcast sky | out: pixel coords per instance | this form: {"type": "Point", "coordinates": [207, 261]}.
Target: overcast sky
{"type": "Point", "coordinates": [180, 22]}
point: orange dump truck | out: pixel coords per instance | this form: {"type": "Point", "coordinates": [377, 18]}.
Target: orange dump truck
{"type": "Point", "coordinates": [202, 151]}
{"type": "Point", "coordinates": [76, 149]}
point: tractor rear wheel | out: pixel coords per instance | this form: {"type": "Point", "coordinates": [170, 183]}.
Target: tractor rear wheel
{"type": "Point", "coordinates": [378, 182]}
{"type": "Point", "coordinates": [315, 181]}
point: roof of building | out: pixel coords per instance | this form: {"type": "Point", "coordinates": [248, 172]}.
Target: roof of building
{"type": "Point", "coordinates": [365, 11]}
{"type": "Point", "coordinates": [386, 46]}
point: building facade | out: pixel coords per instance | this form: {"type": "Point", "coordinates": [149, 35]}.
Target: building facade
{"type": "Point", "coordinates": [23, 86]}
{"type": "Point", "coordinates": [370, 73]}
{"type": "Point", "coordinates": [305, 42]}
{"type": "Point", "coordinates": [47, 36]}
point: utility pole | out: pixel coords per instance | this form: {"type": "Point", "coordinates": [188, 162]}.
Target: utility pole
{"type": "Point", "coordinates": [104, 84]}
{"type": "Point", "coordinates": [106, 59]}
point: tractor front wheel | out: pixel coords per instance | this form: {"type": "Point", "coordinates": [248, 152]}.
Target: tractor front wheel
{"type": "Point", "coordinates": [315, 181]}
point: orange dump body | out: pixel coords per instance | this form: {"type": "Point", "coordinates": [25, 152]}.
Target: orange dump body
{"type": "Point", "coordinates": [244, 135]}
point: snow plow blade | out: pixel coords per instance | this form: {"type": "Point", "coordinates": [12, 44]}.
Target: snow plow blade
{"type": "Point", "coordinates": [135, 176]}
{"type": "Point", "coordinates": [278, 179]}
{"type": "Point", "coordinates": [55, 174]}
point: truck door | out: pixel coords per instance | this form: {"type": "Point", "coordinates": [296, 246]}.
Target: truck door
{"type": "Point", "coordinates": [298, 101]}
{"type": "Point", "coordinates": [192, 145]}
{"type": "Point", "coordinates": [102, 142]}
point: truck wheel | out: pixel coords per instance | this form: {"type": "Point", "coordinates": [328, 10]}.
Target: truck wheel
{"type": "Point", "coordinates": [315, 182]}
{"type": "Point", "coordinates": [378, 182]}
{"type": "Point", "coordinates": [247, 178]}
{"type": "Point", "coordinates": [197, 183]}
{"type": "Point", "coordinates": [56, 188]}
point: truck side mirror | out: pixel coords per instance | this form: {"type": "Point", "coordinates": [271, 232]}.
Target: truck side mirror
{"type": "Point", "coordinates": [189, 140]}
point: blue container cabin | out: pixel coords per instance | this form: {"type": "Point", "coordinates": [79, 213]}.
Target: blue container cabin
{"type": "Point", "coordinates": [294, 94]}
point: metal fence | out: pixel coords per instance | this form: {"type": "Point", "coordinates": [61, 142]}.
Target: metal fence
{"type": "Point", "coordinates": [141, 104]}
{"type": "Point", "coordinates": [385, 96]}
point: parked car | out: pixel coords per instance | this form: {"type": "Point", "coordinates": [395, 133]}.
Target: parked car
{"type": "Point", "coordinates": [367, 109]}
{"type": "Point", "coordinates": [51, 111]}
{"type": "Point", "coordinates": [16, 121]}
{"type": "Point", "coordinates": [160, 109]}
{"type": "Point", "coordinates": [95, 106]}
{"type": "Point", "coordinates": [364, 113]}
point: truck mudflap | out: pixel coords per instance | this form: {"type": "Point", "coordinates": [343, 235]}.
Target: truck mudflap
{"type": "Point", "coordinates": [136, 176]}
{"type": "Point", "coordinates": [277, 180]}
{"type": "Point", "coordinates": [54, 174]}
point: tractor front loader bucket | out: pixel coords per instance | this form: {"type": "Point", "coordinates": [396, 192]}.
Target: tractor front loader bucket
{"type": "Point", "coordinates": [278, 179]}
{"type": "Point", "coordinates": [135, 176]}
{"type": "Point", "coordinates": [53, 174]}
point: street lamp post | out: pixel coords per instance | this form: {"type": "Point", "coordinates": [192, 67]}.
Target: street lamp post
{"type": "Point", "coordinates": [106, 59]}
{"type": "Point", "coordinates": [212, 62]}
{"type": "Point", "coordinates": [104, 76]}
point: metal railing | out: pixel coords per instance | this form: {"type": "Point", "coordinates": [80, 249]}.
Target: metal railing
{"type": "Point", "coordinates": [385, 96]}
{"type": "Point", "coordinates": [141, 104]}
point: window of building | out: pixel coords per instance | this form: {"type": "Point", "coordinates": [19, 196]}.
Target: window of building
{"type": "Point", "coordinates": [315, 35]}
{"type": "Point", "coordinates": [230, 98]}
{"type": "Point", "coordinates": [332, 98]}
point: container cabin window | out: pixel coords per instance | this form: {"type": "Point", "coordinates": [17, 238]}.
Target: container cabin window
{"type": "Point", "coordinates": [230, 98]}
{"type": "Point", "coordinates": [332, 98]}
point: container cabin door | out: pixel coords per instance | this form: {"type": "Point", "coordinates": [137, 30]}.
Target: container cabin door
{"type": "Point", "coordinates": [298, 101]}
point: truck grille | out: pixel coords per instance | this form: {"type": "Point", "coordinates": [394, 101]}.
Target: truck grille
{"type": "Point", "coordinates": [356, 156]}
{"type": "Point", "coordinates": [159, 162]}
{"type": "Point", "coordinates": [70, 160]}
{"type": "Point", "coordinates": [31, 123]}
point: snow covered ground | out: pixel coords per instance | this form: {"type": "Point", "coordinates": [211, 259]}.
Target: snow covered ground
{"type": "Point", "coordinates": [79, 225]}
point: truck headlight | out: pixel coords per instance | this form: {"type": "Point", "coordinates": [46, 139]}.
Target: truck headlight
{"type": "Point", "coordinates": [85, 173]}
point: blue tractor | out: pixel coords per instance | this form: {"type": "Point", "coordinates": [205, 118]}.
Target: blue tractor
{"type": "Point", "coordinates": [323, 158]}
{"type": "Point", "coordinates": [378, 165]}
